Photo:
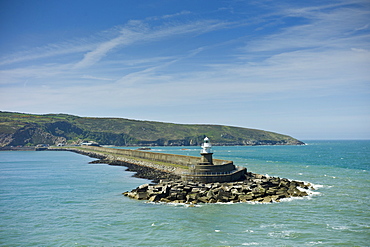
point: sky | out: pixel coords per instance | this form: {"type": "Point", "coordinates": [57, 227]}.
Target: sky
{"type": "Point", "coordinates": [300, 68]}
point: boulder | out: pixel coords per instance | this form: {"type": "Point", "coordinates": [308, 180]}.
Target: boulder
{"type": "Point", "coordinates": [141, 196]}
{"type": "Point", "coordinates": [267, 199]}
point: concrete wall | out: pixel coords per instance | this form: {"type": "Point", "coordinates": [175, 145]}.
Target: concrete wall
{"type": "Point", "coordinates": [234, 176]}
{"type": "Point", "coordinates": [214, 168]}
{"type": "Point", "coordinates": [168, 158]}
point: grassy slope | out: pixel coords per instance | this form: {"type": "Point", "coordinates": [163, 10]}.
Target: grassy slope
{"type": "Point", "coordinates": [138, 130]}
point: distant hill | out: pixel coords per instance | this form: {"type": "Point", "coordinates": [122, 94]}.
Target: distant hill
{"type": "Point", "coordinates": [30, 129]}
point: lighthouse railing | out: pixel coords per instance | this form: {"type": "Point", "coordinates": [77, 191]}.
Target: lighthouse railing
{"type": "Point", "coordinates": [209, 173]}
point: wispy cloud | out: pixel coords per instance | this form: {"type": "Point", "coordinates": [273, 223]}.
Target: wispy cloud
{"type": "Point", "coordinates": [96, 48]}
{"type": "Point", "coordinates": [96, 78]}
{"type": "Point", "coordinates": [184, 12]}
{"type": "Point", "coordinates": [50, 50]}
{"type": "Point", "coordinates": [137, 31]}
{"type": "Point", "coordinates": [326, 30]}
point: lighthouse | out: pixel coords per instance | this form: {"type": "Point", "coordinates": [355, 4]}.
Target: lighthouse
{"type": "Point", "coordinates": [206, 152]}
{"type": "Point", "coordinates": [208, 172]}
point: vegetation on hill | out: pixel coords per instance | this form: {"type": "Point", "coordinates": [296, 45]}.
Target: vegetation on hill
{"type": "Point", "coordinates": [30, 129]}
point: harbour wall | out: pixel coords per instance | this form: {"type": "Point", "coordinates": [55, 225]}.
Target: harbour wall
{"type": "Point", "coordinates": [188, 161]}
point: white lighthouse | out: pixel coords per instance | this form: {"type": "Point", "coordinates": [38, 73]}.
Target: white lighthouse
{"type": "Point", "coordinates": [206, 146]}
{"type": "Point", "coordinates": [206, 152]}
{"type": "Point", "coordinates": [206, 171]}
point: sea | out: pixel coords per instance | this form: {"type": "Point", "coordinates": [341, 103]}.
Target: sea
{"type": "Point", "coordinates": [50, 198]}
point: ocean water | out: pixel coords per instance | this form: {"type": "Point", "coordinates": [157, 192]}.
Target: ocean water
{"type": "Point", "coordinates": [58, 199]}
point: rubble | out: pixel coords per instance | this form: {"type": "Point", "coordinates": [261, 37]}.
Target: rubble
{"type": "Point", "coordinates": [254, 188]}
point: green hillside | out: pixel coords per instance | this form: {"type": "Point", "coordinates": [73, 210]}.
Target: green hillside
{"type": "Point", "coordinates": [29, 129]}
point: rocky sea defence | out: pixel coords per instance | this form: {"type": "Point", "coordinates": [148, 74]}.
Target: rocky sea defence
{"type": "Point", "coordinates": [254, 188]}
{"type": "Point", "coordinates": [167, 186]}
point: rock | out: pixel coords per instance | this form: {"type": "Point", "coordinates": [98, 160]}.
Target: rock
{"type": "Point", "coordinates": [192, 197]}
{"type": "Point", "coordinates": [164, 200]}
{"type": "Point", "coordinates": [155, 198]}
{"type": "Point", "coordinates": [203, 199]}
{"type": "Point", "coordinates": [212, 200]}
{"type": "Point", "coordinates": [267, 199]}
{"type": "Point", "coordinates": [258, 176]}
{"type": "Point", "coordinates": [254, 187]}
{"type": "Point", "coordinates": [143, 186]}
{"type": "Point", "coordinates": [141, 196]}
{"type": "Point", "coordinates": [195, 190]}
{"type": "Point", "coordinates": [271, 191]}
{"type": "Point", "coordinates": [211, 194]}
{"type": "Point", "coordinates": [303, 193]}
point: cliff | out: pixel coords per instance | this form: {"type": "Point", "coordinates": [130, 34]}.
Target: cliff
{"type": "Point", "coordinates": [30, 129]}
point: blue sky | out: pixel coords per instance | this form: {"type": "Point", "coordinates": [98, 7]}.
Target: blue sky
{"type": "Point", "coordinates": [300, 68]}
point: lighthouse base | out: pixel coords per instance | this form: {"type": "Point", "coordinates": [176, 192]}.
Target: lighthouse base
{"type": "Point", "coordinates": [207, 172]}
{"type": "Point", "coordinates": [235, 175]}
{"type": "Point", "coordinates": [206, 158]}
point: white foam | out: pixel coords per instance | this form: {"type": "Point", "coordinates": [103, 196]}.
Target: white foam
{"type": "Point", "coordinates": [281, 234]}
{"type": "Point", "coordinates": [315, 243]}
{"type": "Point", "coordinates": [253, 202]}
{"type": "Point", "coordinates": [290, 199]}
{"type": "Point", "coordinates": [173, 204]}
{"type": "Point", "coordinates": [161, 224]}
{"type": "Point", "coordinates": [329, 176]}
{"type": "Point", "coordinates": [337, 227]}
{"type": "Point", "coordinates": [227, 203]}
{"type": "Point", "coordinates": [317, 186]}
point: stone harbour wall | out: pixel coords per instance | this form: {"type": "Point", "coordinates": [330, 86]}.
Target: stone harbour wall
{"type": "Point", "coordinates": [167, 158]}
{"type": "Point", "coordinates": [111, 159]}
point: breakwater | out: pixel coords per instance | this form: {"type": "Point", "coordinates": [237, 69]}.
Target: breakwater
{"type": "Point", "coordinates": [168, 187]}
{"type": "Point", "coordinates": [182, 160]}
{"type": "Point", "coordinates": [143, 168]}
{"type": "Point", "coordinates": [125, 156]}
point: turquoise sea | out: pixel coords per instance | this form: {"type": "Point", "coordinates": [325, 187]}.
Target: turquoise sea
{"type": "Point", "coordinates": [58, 199]}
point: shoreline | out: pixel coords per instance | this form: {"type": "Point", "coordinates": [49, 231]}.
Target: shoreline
{"type": "Point", "coordinates": [147, 147]}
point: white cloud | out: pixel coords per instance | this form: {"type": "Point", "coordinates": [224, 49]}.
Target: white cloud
{"type": "Point", "coordinates": [127, 37]}
{"type": "Point", "coordinates": [322, 29]}
{"type": "Point", "coordinates": [136, 32]}
{"type": "Point", "coordinates": [50, 50]}
{"type": "Point", "coordinates": [184, 12]}
{"type": "Point", "coordinates": [96, 78]}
